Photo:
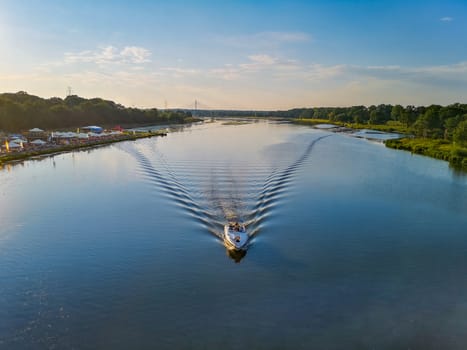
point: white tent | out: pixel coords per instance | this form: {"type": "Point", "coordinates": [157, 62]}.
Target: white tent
{"type": "Point", "coordinates": [83, 136]}
{"type": "Point", "coordinates": [66, 135]}
{"type": "Point", "coordinates": [38, 142]}
{"type": "Point", "coordinates": [18, 140]}
{"type": "Point", "coordinates": [13, 144]}
{"type": "Point", "coordinates": [36, 130]}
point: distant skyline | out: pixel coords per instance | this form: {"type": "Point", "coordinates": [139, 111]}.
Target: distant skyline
{"type": "Point", "coordinates": [263, 55]}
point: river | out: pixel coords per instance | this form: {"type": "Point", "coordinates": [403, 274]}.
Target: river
{"type": "Point", "coordinates": [353, 245]}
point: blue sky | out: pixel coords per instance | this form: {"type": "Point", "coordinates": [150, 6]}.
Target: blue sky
{"type": "Point", "coordinates": [237, 54]}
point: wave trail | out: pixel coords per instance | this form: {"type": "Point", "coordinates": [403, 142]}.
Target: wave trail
{"type": "Point", "coordinates": [216, 192]}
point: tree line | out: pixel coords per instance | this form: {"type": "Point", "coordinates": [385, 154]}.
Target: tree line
{"type": "Point", "coordinates": [434, 121]}
{"type": "Point", "coordinates": [21, 111]}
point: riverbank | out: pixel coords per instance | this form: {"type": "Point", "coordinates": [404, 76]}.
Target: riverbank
{"type": "Point", "coordinates": [394, 127]}
{"type": "Point", "coordinates": [435, 148]}
{"type": "Point", "coordinates": [56, 149]}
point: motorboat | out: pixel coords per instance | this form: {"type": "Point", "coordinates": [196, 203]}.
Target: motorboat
{"type": "Point", "coordinates": [235, 236]}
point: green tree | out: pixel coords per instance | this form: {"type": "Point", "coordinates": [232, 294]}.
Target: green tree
{"type": "Point", "coordinates": [450, 125]}
{"type": "Point", "coordinates": [359, 114]}
{"type": "Point", "coordinates": [408, 116]}
{"type": "Point", "coordinates": [428, 124]}
{"type": "Point", "coordinates": [20, 111]}
{"type": "Point", "coordinates": [397, 112]}
{"type": "Point", "coordinates": [306, 113]}
{"type": "Point", "coordinates": [460, 133]}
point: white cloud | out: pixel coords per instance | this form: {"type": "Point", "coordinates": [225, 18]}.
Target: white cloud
{"type": "Point", "coordinates": [458, 69]}
{"type": "Point", "coordinates": [262, 80]}
{"type": "Point", "coordinates": [180, 72]}
{"type": "Point", "coordinates": [110, 54]}
{"type": "Point", "coordinates": [264, 71]}
{"type": "Point", "coordinates": [136, 54]}
{"type": "Point", "coordinates": [256, 64]}
{"type": "Point", "coordinates": [283, 37]}
{"type": "Point", "coordinates": [432, 75]}
{"type": "Point", "coordinates": [228, 72]}
{"type": "Point", "coordinates": [264, 40]}
{"type": "Point", "coordinates": [263, 59]}
{"type": "Point", "coordinates": [446, 19]}
{"type": "Point", "coordinates": [319, 72]}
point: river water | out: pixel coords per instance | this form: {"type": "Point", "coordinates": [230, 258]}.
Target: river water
{"type": "Point", "coordinates": [353, 245]}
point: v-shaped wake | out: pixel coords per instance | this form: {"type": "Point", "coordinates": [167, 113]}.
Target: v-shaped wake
{"type": "Point", "coordinates": [217, 192]}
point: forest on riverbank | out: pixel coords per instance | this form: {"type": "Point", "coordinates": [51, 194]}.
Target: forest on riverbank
{"type": "Point", "coordinates": [21, 111]}
{"type": "Point", "coordinates": [435, 130]}
{"type": "Point", "coordinates": [440, 131]}
{"type": "Point", "coordinates": [433, 122]}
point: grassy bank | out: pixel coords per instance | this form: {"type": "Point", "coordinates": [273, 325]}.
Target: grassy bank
{"type": "Point", "coordinates": [436, 148]}
{"type": "Point", "coordinates": [313, 121]}
{"type": "Point", "coordinates": [233, 122]}
{"type": "Point", "coordinates": [18, 156]}
{"type": "Point", "coordinates": [389, 127]}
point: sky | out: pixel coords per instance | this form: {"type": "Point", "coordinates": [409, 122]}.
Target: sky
{"type": "Point", "coordinates": [262, 55]}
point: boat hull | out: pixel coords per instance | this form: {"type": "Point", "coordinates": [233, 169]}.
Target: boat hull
{"type": "Point", "coordinates": [235, 240]}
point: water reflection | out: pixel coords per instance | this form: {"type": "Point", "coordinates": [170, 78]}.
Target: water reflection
{"type": "Point", "coordinates": [236, 255]}
{"type": "Point", "coordinates": [458, 170]}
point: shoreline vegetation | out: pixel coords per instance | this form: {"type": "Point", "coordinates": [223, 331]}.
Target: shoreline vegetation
{"type": "Point", "coordinates": [435, 131]}
{"type": "Point", "coordinates": [438, 148]}
{"type": "Point", "coordinates": [435, 148]}
{"type": "Point", "coordinates": [20, 112]}
{"type": "Point", "coordinates": [235, 122]}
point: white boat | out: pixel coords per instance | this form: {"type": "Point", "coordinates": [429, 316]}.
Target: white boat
{"type": "Point", "coordinates": [235, 236]}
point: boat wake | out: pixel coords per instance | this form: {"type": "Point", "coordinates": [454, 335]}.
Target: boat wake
{"type": "Point", "coordinates": [215, 193]}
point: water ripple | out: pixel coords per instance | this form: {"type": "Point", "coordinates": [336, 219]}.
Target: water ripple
{"type": "Point", "coordinates": [214, 192]}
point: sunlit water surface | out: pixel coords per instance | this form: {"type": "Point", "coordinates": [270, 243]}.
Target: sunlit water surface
{"type": "Point", "coordinates": [353, 245]}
